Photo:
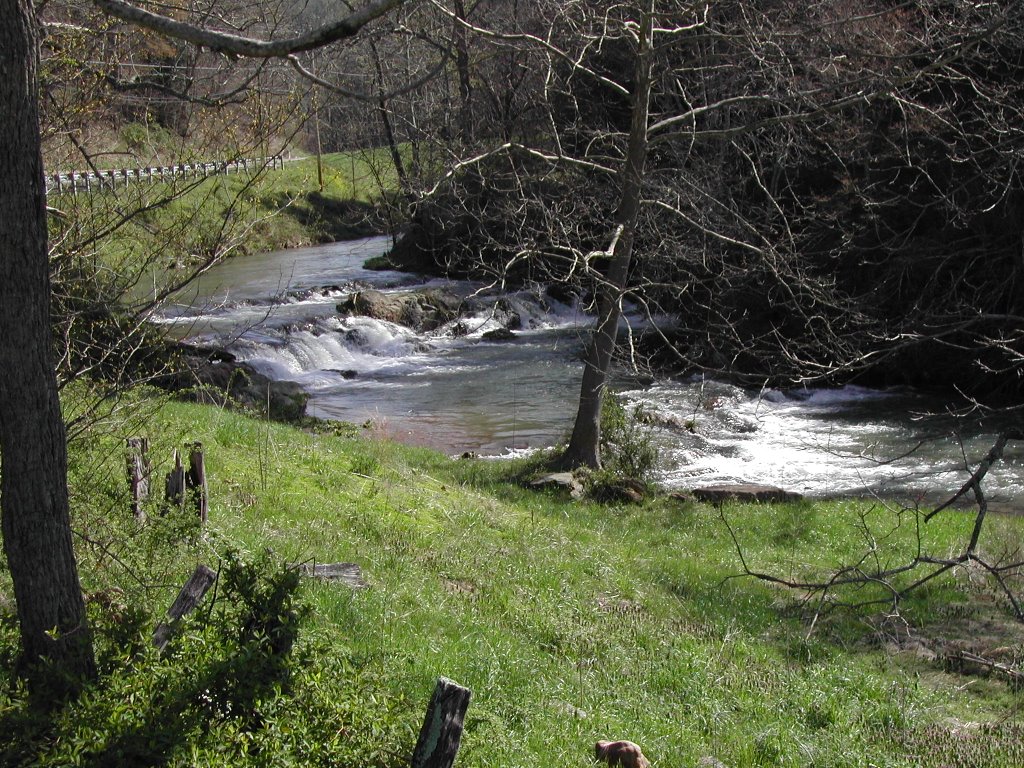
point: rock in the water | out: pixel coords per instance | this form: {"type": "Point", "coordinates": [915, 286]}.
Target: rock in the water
{"type": "Point", "coordinates": [506, 314]}
{"type": "Point", "coordinates": [347, 373]}
{"type": "Point", "coordinates": [716, 494]}
{"type": "Point", "coordinates": [499, 334]}
{"type": "Point", "coordinates": [207, 375]}
{"type": "Point", "coordinates": [423, 310]}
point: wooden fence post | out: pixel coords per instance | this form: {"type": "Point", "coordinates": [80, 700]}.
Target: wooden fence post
{"type": "Point", "coordinates": [174, 487]}
{"type": "Point", "coordinates": [187, 600]}
{"type": "Point", "coordinates": [196, 481]}
{"type": "Point", "coordinates": [442, 727]}
{"type": "Point", "coordinates": [138, 467]}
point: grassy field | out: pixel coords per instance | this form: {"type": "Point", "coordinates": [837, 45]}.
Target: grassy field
{"type": "Point", "coordinates": [189, 219]}
{"type": "Point", "coordinates": [571, 621]}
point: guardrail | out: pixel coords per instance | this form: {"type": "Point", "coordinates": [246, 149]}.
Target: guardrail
{"type": "Point", "coordinates": [74, 182]}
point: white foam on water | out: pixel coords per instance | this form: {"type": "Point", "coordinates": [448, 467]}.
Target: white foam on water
{"type": "Point", "coordinates": [318, 355]}
{"type": "Point", "coordinates": [817, 441]}
{"type": "Point", "coordinates": [454, 389]}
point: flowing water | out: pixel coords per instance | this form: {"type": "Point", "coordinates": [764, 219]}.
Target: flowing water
{"type": "Point", "coordinates": [459, 392]}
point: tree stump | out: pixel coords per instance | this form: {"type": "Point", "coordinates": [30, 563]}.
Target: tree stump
{"type": "Point", "coordinates": [174, 486]}
{"type": "Point", "coordinates": [442, 727]}
{"type": "Point", "coordinates": [183, 486]}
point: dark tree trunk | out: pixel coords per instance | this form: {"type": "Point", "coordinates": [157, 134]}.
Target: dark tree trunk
{"type": "Point", "coordinates": [33, 488]}
{"type": "Point", "coordinates": [461, 44]}
{"type": "Point", "coordinates": [385, 121]}
{"type": "Point", "coordinates": [584, 449]}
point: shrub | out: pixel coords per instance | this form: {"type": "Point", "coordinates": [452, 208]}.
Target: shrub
{"type": "Point", "coordinates": [626, 446]}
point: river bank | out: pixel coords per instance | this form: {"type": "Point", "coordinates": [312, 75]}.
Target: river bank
{"type": "Point", "coordinates": [570, 621]}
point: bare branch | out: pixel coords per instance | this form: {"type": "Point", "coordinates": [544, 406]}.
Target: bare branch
{"type": "Point", "coordinates": [237, 45]}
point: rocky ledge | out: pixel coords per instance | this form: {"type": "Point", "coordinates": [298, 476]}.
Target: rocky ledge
{"type": "Point", "coordinates": [422, 310]}
{"type": "Point", "coordinates": [212, 375]}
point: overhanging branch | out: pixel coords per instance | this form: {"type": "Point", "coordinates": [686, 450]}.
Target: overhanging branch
{"type": "Point", "coordinates": [236, 45]}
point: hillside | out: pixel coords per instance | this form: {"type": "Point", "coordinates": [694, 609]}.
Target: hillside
{"type": "Point", "coordinates": [569, 620]}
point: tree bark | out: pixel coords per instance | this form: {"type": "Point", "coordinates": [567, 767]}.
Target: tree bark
{"type": "Point", "coordinates": [34, 509]}
{"type": "Point", "coordinates": [384, 114]}
{"type": "Point", "coordinates": [462, 65]}
{"type": "Point", "coordinates": [584, 447]}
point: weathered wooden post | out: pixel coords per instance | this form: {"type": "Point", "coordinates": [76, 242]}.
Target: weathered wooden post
{"type": "Point", "coordinates": [195, 481]}
{"type": "Point", "coordinates": [350, 574]}
{"type": "Point", "coordinates": [187, 600]}
{"type": "Point", "coordinates": [138, 467]}
{"type": "Point", "coordinates": [442, 727]}
{"type": "Point", "coordinates": [174, 486]}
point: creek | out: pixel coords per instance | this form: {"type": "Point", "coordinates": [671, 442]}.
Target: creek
{"type": "Point", "coordinates": [451, 389]}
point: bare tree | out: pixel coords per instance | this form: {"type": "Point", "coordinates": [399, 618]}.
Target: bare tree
{"type": "Point", "coordinates": [585, 442]}
{"type": "Point", "coordinates": [829, 191]}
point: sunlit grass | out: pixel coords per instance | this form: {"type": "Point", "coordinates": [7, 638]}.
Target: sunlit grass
{"type": "Point", "coordinates": [571, 621]}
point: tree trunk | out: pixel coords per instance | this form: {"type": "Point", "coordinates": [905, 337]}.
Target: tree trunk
{"type": "Point", "coordinates": [461, 45]}
{"type": "Point", "coordinates": [384, 113]}
{"type": "Point", "coordinates": [584, 447]}
{"type": "Point", "coordinates": [36, 522]}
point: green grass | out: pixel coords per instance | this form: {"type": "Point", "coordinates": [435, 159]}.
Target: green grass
{"type": "Point", "coordinates": [177, 223]}
{"type": "Point", "coordinates": [570, 621]}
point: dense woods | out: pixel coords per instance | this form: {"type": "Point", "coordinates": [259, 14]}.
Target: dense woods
{"type": "Point", "coordinates": [832, 190]}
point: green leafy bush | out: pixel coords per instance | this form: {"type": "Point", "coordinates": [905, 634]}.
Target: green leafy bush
{"type": "Point", "coordinates": [627, 449]}
{"type": "Point", "coordinates": [237, 686]}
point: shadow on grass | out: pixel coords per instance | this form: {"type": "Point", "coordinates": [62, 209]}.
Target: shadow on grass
{"type": "Point", "coordinates": [230, 688]}
{"type": "Point", "coordinates": [329, 219]}
{"type": "Point", "coordinates": [227, 673]}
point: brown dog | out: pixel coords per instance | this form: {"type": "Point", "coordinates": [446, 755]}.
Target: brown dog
{"type": "Point", "coordinates": [621, 753]}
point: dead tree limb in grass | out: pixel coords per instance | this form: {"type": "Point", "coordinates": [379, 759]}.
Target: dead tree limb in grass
{"type": "Point", "coordinates": [869, 571]}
